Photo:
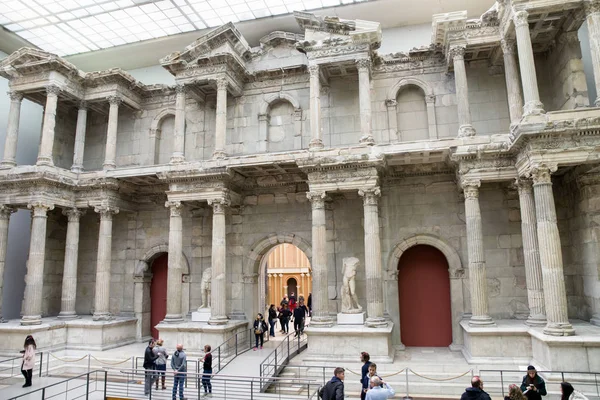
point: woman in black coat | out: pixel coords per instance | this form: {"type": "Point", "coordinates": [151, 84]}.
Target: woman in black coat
{"type": "Point", "coordinates": [533, 385]}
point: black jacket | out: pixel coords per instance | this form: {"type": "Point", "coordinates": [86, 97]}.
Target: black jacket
{"type": "Point", "coordinates": [539, 384]}
{"type": "Point", "coordinates": [149, 358]}
{"type": "Point", "coordinates": [475, 394]}
{"type": "Point", "coordinates": [300, 313]}
{"type": "Point", "coordinates": [263, 326]}
{"type": "Point", "coordinates": [333, 390]}
{"type": "Point", "coordinates": [272, 314]}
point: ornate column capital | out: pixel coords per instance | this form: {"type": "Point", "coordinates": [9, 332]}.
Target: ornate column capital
{"type": "Point", "coordinates": [313, 70]}
{"type": "Point", "coordinates": [521, 18]}
{"type": "Point", "coordinates": [363, 64]}
{"type": "Point", "coordinates": [40, 208]}
{"type": "Point", "coordinates": [180, 89]}
{"type": "Point", "coordinates": [106, 211]}
{"type": "Point", "coordinates": [457, 52]}
{"type": "Point", "coordinates": [15, 96]}
{"type": "Point", "coordinates": [221, 83]}
{"type": "Point", "coordinates": [175, 206]}
{"type": "Point", "coordinates": [591, 7]}
{"type": "Point", "coordinates": [317, 199]}
{"type": "Point", "coordinates": [52, 90]}
{"type": "Point", "coordinates": [391, 103]}
{"type": "Point", "coordinates": [470, 188]}
{"type": "Point", "coordinates": [430, 99]}
{"type": "Point", "coordinates": [508, 46]}
{"type": "Point", "coordinates": [73, 214]}
{"type": "Point", "coordinates": [542, 173]}
{"type": "Point", "coordinates": [83, 105]}
{"type": "Point", "coordinates": [264, 117]}
{"type": "Point", "coordinates": [370, 195]}
{"type": "Point", "coordinates": [220, 204]}
{"type": "Point", "coordinates": [524, 185]}
{"type": "Point", "coordinates": [115, 100]}
{"type": "Point", "coordinates": [6, 210]}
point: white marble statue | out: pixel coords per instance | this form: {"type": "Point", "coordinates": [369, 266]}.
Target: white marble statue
{"type": "Point", "coordinates": [205, 287]}
{"type": "Point", "coordinates": [349, 299]}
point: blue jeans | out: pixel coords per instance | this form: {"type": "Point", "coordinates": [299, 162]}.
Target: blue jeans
{"type": "Point", "coordinates": [206, 380]}
{"type": "Point", "coordinates": [272, 323]}
{"type": "Point", "coordinates": [178, 379]}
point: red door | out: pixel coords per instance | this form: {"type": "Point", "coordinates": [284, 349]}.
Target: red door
{"type": "Point", "coordinates": [158, 292]}
{"type": "Point", "coordinates": [424, 293]}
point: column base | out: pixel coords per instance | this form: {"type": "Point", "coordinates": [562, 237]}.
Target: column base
{"type": "Point", "coordinates": [177, 159]}
{"type": "Point", "coordinates": [536, 320]}
{"type": "Point", "coordinates": [7, 164]}
{"type": "Point", "coordinates": [68, 315]}
{"type": "Point", "coordinates": [481, 321]}
{"type": "Point", "coordinates": [376, 322]}
{"type": "Point", "coordinates": [597, 102]}
{"type": "Point", "coordinates": [109, 166]}
{"type": "Point", "coordinates": [105, 316]}
{"type": "Point", "coordinates": [173, 318]}
{"type": "Point", "coordinates": [216, 320]}
{"type": "Point", "coordinates": [31, 320]}
{"type": "Point", "coordinates": [77, 169]}
{"type": "Point", "coordinates": [367, 140]}
{"type": "Point", "coordinates": [559, 329]}
{"type": "Point", "coordinates": [219, 154]}
{"type": "Point", "coordinates": [45, 161]}
{"type": "Point", "coordinates": [595, 320]}
{"type": "Point", "coordinates": [315, 144]}
{"type": "Point", "coordinates": [322, 322]}
{"type": "Point", "coordinates": [466, 131]}
{"type": "Point", "coordinates": [533, 108]}
{"type": "Point", "coordinates": [3, 321]}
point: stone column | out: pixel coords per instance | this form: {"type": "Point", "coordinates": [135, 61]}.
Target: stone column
{"type": "Point", "coordinates": [34, 280]}
{"type": "Point", "coordinates": [392, 109]}
{"type": "Point", "coordinates": [531, 93]}
{"type": "Point", "coordinates": [592, 12]}
{"type": "Point", "coordinates": [513, 84]}
{"type": "Point", "coordinates": [531, 253]}
{"type": "Point", "coordinates": [477, 275]}
{"type": "Point", "coordinates": [320, 299]}
{"type": "Point", "coordinates": [5, 212]}
{"type": "Point", "coordinates": [465, 128]}
{"type": "Point", "coordinates": [80, 137]}
{"type": "Point", "coordinates": [221, 119]}
{"type": "Point", "coordinates": [555, 294]}
{"type": "Point", "coordinates": [110, 154]}
{"type": "Point", "coordinates": [178, 155]}
{"type": "Point", "coordinates": [373, 258]}
{"type": "Point", "coordinates": [364, 97]}
{"type": "Point", "coordinates": [47, 142]}
{"type": "Point", "coordinates": [431, 118]}
{"type": "Point", "coordinates": [69, 283]}
{"type": "Point", "coordinates": [218, 294]}
{"type": "Point", "coordinates": [12, 131]}
{"type": "Point", "coordinates": [316, 141]}
{"type": "Point", "coordinates": [175, 270]}
{"type": "Point", "coordinates": [102, 298]}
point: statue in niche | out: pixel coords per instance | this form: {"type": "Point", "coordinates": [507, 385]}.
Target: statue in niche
{"type": "Point", "coordinates": [205, 287]}
{"type": "Point", "coordinates": [349, 299]}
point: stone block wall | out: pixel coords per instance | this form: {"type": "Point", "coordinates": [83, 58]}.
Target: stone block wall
{"type": "Point", "coordinates": [86, 262]}
{"type": "Point", "coordinates": [56, 233]}
{"type": "Point", "coordinates": [64, 137]}
{"type": "Point", "coordinates": [95, 141]}
{"type": "Point", "coordinates": [488, 99]}
{"type": "Point", "coordinates": [129, 137]}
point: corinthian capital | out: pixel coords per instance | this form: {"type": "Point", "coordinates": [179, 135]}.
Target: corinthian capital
{"type": "Point", "coordinates": [219, 204]}
{"type": "Point", "coordinates": [542, 173]}
{"type": "Point", "coordinates": [521, 18]}
{"type": "Point", "coordinates": [313, 70]}
{"type": "Point", "coordinates": [363, 64]}
{"type": "Point", "coordinates": [370, 195]}
{"type": "Point", "coordinates": [508, 46]}
{"type": "Point", "coordinates": [457, 52]}
{"type": "Point", "coordinates": [52, 90]}
{"type": "Point", "coordinates": [591, 7]}
{"type": "Point", "coordinates": [73, 214]}
{"type": "Point", "coordinates": [525, 185]}
{"type": "Point", "coordinates": [15, 96]}
{"type": "Point", "coordinates": [115, 100]}
{"type": "Point", "coordinates": [317, 199]}
{"type": "Point", "coordinates": [471, 188]}
{"type": "Point", "coordinates": [179, 89]}
{"type": "Point", "coordinates": [175, 207]}
{"type": "Point", "coordinates": [106, 211]}
{"type": "Point", "coordinates": [6, 210]}
{"type": "Point", "coordinates": [40, 208]}
{"type": "Point", "coordinates": [221, 83]}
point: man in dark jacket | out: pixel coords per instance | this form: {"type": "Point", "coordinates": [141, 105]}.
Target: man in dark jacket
{"type": "Point", "coordinates": [475, 392]}
{"type": "Point", "coordinates": [149, 366]}
{"type": "Point", "coordinates": [334, 389]}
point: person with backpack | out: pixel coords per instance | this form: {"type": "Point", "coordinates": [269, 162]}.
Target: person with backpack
{"type": "Point", "coordinates": [334, 389]}
{"type": "Point", "coordinates": [260, 327]}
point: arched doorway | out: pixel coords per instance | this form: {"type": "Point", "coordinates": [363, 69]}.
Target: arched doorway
{"type": "Point", "coordinates": [292, 288]}
{"type": "Point", "coordinates": [424, 296]}
{"type": "Point", "coordinates": [158, 292]}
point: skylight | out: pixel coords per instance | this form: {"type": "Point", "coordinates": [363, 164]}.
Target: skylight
{"type": "Point", "coordinates": [66, 27]}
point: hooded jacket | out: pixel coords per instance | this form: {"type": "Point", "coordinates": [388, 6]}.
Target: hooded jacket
{"type": "Point", "coordinates": [473, 393]}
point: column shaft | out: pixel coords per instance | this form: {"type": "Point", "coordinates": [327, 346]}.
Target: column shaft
{"type": "Point", "coordinates": [80, 138]}
{"type": "Point", "coordinates": [175, 270]}
{"type": "Point", "coordinates": [47, 142]}
{"type": "Point", "coordinates": [218, 292]}
{"type": "Point", "coordinates": [373, 258]}
{"type": "Point", "coordinates": [34, 280]}
{"type": "Point", "coordinates": [5, 212]}
{"type": "Point", "coordinates": [103, 265]}
{"type": "Point", "coordinates": [69, 283]}
{"type": "Point", "coordinates": [477, 274]}
{"type": "Point", "coordinates": [364, 96]}
{"type": "Point", "coordinates": [513, 84]}
{"type": "Point", "coordinates": [320, 273]}
{"type": "Point", "coordinates": [316, 141]}
{"type": "Point", "coordinates": [592, 10]}
{"type": "Point", "coordinates": [221, 119]}
{"type": "Point", "coordinates": [531, 93]}
{"type": "Point", "coordinates": [110, 154]}
{"type": "Point", "coordinates": [462, 92]}
{"type": "Point", "coordinates": [12, 131]}
{"type": "Point", "coordinates": [555, 294]}
{"type": "Point", "coordinates": [178, 155]}
{"type": "Point", "coordinates": [531, 253]}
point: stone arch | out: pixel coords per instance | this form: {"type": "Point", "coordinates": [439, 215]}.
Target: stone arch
{"type": "Point", "coordinates": [395, 89]}
{"type": "Point", "coordinates": [273, 97]}
{"type": "Point", "coordinates": [150, 255]}
{"type": "Point", "coordinates": [155, 133]}
{"type": "Point", "coordinates": [167, 112]}
{"type": "Point", "coordinates": [284, 142]}
{"type": "Point", "coordinates": [391, 102]}
{"type": "Point", "coordinates": [455, 271]}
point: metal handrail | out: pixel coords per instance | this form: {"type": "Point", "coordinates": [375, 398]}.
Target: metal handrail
{"type": "Point", "coordinates": [87, 375]}
{"type": "Point", "coordinates": [278, 359]}
{"type": "Point", "coordinates": [12, 367]}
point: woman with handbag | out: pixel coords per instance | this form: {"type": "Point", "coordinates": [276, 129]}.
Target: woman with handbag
{"type": "Point", "coordinates": [260, 327]}
{"type": "Point", "coordinates": [28, 359]}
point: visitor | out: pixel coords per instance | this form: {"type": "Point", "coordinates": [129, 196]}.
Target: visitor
{"type": "Point", "coordinates": [282, 304]}
{"type": "Point", "coordinates": [161, 362]}
{"type": "Point", "coordinates": [207, 371]}
{"type": "Point", "coordinates": [260, 327]}
{"type": "Point", "coordinates": [379, 390]}
{"type": "Point", "coordinates": [514, 393]}
{"type": "Point", "coordinates": [272, 319]}
{"type": "Point", "coordinates": [300, 314]}
{"type": "Point", "coordinates": [309, 304]}
{"type": "Point", "coordinates": [150, 367]}
{"type": "Point", "coordinates": [292, 302]}
{"type": "Point", "coordinates": [284, 318]}
{"type": "Point", "coordinates": [364, 358]}
{"type": "Point", "coordinates": [179, 367]}
{"type": "Point", "coordinates": [28, 359]}
{"type": "Point", "coordinates": [568, 392]}
{"type": "Point", "coordinates": [334, 389]}
{"type": "Point", "coordinates": [475, 392]}
{"type": "Point", "coordinates": [533, 385]}
{"type": "Point", "coordinates": [366, 383]}
{"type": "Point", "coordinates": [284, 301]}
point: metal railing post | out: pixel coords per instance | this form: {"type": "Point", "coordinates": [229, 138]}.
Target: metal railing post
{"type": "Point", "coordinates": [219, 357]}
{"type": "Point", "coordinates": [105, 380]}
{"type": "Point", "coordinates": [407, 392]}
{"type": "Point", "coordinates": [89, 362]}
{"type": "Point", "coordinates": [502, 382]}
{"type": "Point", "coordinates": [275, 370]}
{"type": "Point", "coordinates": [47, 363]}
{"type": "Point", "coordinates": [87, 387]}
{"type": "Point", "coordinates": [236, 344]}
{"type": "Point", "coordinates": [251, 390]}
{"type": "Point", "coordinates": [41, 363]}
{"type": "Point", "coordinates": [43, 393]}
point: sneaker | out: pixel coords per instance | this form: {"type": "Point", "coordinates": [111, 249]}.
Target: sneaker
{"type": "Point", "coordinates": [255, 349]}
{"type": "Point", "coordinates": [261, 347]}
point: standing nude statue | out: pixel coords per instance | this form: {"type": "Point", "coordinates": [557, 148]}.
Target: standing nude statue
{"type": "Point", "coordinates": [349, 299]}
{"type": "Point", "coordinates": [205, 287]}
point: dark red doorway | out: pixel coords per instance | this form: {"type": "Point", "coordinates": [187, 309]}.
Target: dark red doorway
{"type": "Point", "coordinates": [158, 292]}
{"type": "Point", "coordinates": [424, 295]}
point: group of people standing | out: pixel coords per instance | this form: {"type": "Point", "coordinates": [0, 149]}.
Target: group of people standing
{"type": "Point", "coordinates": [533, 387]}
{"type": "Point", "coordinates": [155, 364]}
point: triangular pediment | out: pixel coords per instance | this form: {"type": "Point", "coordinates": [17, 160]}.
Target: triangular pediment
{"type": "Point", "coordinates": [27, 60]}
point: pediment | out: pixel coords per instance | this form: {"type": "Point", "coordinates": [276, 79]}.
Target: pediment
{"type": "Point", "coordinates": [27, 60]}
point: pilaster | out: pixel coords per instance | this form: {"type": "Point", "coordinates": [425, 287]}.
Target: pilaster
{"type": "Point", "coordinates": [69, 283]}
{"type": "Point", "coordinates": [178, 155]}
{"type": "Point", "coordinates": [103, 265]}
